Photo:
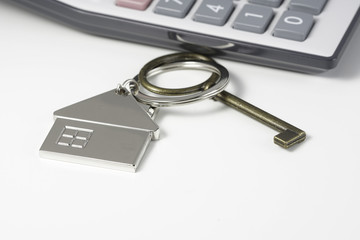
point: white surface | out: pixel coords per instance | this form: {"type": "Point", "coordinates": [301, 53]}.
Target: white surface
{"type": "Point", "coordinates": [214, 174]}
{"type": "Point", "coordinates": [324, 38]}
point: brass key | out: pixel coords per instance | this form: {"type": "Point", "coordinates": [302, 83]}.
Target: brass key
{"type": "Point", "coordinates": [288, 136]}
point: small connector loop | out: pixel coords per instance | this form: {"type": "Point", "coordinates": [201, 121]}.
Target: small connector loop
{"type": "Point", "coordinates": [130, 86]}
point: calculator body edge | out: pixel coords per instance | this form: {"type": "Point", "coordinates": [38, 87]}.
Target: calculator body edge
{"type": "Point", "coordinates": [182, 40]}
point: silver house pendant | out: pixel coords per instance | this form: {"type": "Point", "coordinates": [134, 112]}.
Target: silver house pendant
{"type": "Point", "coordinates": [109, 130]}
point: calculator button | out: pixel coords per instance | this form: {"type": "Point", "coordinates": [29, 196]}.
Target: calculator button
{"type": "Point", "coordinates": [253, 18]}
{"type": "Point", "coordinates": [270, 3]}
{"type": "Point", "coordinates": [134, 4]}
{"type": "Point", "coordinates": [174, 8]}
{"type": "Point", "coordinates": [294, 25]}
{"type": "Point", "coordinates": [214, 12]}
{"type": "Point", "coordinates": [310, 6]}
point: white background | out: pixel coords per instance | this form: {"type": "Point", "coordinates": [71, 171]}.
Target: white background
{"type": "Point", "coordinates": [214, 174]}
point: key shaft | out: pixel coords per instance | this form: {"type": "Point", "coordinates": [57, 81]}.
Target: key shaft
{"type": "Point", "coordinates": [289, 134]}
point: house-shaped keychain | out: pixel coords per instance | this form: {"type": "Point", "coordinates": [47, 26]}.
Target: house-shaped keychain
{"type": "Point", "coordinates": [109, 130]}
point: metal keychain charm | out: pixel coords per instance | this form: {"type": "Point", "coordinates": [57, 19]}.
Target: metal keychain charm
{"type": "Point", "coordinates": [114, 129]}
{"type": "Point", "coordinates": [110, 130]}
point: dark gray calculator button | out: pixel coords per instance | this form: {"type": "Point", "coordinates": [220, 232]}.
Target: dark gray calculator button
{"type": "Point", "coordinates": [270, 3]}
{"type": "Point", "coordinates": [214, 12]}
{"type": "Point", "coordinates": [294, 25]}
{"type": "Point", "coordinates": [253, 18]}
{"type": "Point", "coordinates": [310, 6]}
{"type": "Point", "coordinates": [174, 8]}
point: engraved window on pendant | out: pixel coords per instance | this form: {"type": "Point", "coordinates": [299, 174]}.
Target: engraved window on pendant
{"type": "Point", "coordinates": [74, 137]}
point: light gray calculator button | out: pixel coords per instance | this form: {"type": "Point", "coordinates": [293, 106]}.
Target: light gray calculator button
{"type": "Point", "coordinates": [310, 6]}
{"type": "Point", "coordinates": [214, 12]}
{"type": "Point", "coordinates": [294, 25]}
{"type": "Point", "coordinates": [270, 3]}
{"type": "Point", "coordinates": [174, 8]}
{"type": "Point", "coordinates": [253, 18]}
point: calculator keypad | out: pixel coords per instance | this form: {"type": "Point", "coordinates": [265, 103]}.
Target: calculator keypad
{"type": "Point", "coordinates": [253, 18]}
{"type": "Point", "coordinates": [270, 3]}
{"type": "Point", "coordinates": [294, 25]}
{"type": "Point", "coordinates": [255, 15]}
{"type": "Point", "coordinates": [310, 6]}
{"type": "Point", "coordinates": [134, 4]}
{"type": "Point", "coordinates": [174, 8]}
{"type": "Point", "coordinates": [214, 12]}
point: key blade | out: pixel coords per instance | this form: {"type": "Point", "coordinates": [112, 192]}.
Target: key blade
{"type": "Point", "coordinates": [289, 135]}
{"type": "Point", "coordinates": [289, 138]}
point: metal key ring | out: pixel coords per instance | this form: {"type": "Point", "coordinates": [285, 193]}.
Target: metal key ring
{"type": "Point", "coordinates": [167, 60]}
{"type": "Point", "coordinates": [208, 89]}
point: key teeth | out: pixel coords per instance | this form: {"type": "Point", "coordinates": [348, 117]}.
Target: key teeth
{"type": "Point", "coordinates": [289, 138]}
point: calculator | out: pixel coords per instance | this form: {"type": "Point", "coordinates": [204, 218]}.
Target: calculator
{"type": "Point", "coordinates": [299, 35]}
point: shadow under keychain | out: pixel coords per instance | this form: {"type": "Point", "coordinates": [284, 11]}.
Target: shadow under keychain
{"type": "Point", "coordinates": [114, 129]}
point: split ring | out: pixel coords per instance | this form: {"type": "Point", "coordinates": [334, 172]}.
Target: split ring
{"type": "Point", "coordinates": [215, 84]}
